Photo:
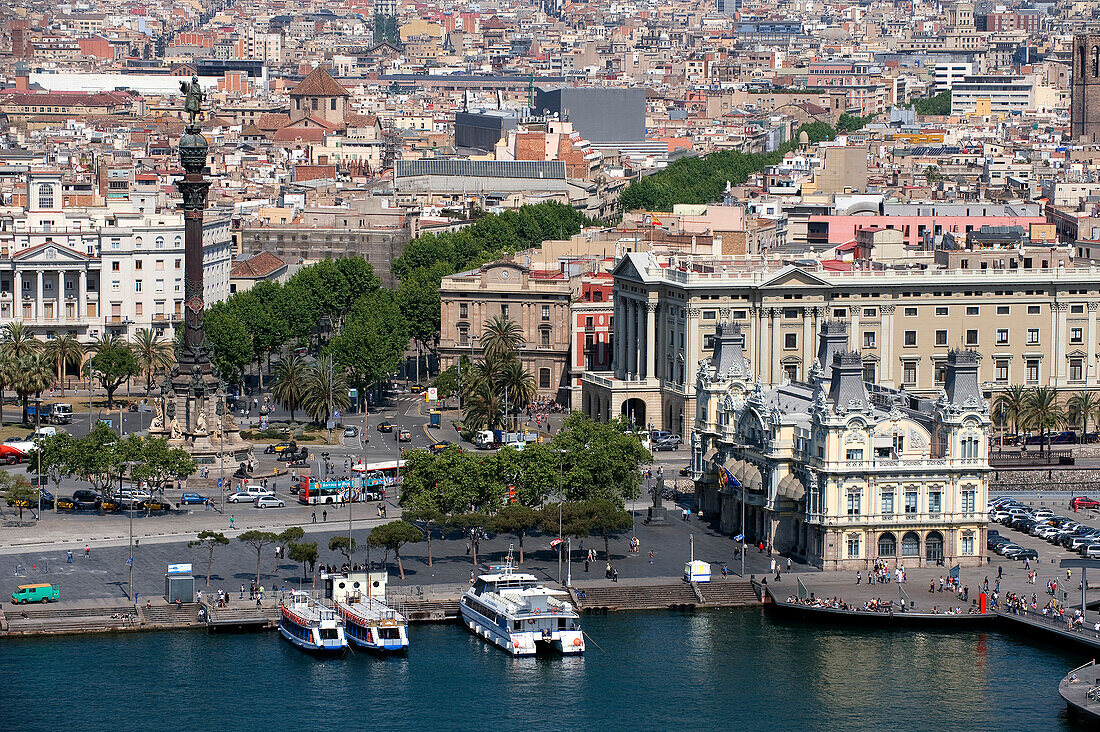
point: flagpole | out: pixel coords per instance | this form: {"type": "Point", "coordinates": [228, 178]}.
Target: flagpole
{"type": "Point", "coordinates": [742, 530]}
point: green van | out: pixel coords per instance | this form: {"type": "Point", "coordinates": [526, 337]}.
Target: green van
{"type": "Point", "coordinates": [35, 593]}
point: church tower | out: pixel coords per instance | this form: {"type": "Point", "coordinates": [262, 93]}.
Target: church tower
{"type": "Point", "coordinates": [1085, 89]}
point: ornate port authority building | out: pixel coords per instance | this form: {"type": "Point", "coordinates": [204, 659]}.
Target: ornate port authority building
{"type": "Point", "coordinates": [837, 470]}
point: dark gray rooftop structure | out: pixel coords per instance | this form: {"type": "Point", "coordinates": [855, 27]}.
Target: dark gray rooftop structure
{"type": "Point", "coordinates": [599, 114]}
{"type": "Point", "coordinates": [541, 169]}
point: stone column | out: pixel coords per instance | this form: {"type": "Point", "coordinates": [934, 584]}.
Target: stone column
{"type": "Point", "coordinates": [82, 295]}
{"type": "Point", "coordinates": [38, 297]}
{"type": "Point", "coordinates": [1091, 369]}
{"type": "Point", "coordinates": [806, 338]}
{"type": "Point", "coordinates": [775, 347]}
{"type": "Point", "coordinates": [758, 336]}
{"type": "Point", "coordinates": [650, 339]}
{"type": "Point", "coordinates": [17, 296]}
{"type": "Point", "coordinates": [691, 348]}
{"type": "Point", "coordinates": [632, 347]}
{"type": "Point", "coordinates": [1060, 366]}
{"type": "Point", "coordinates": [618, 335]}
{"type": "Point", "coordinates": [763, 342]}
{"type": "Point", "coordinates": [886, 377]}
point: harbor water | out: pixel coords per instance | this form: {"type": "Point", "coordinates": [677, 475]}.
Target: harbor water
{"type": "Point", "coordinates": [732, 669]}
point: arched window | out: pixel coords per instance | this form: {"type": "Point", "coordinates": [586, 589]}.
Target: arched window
{"type": "Point", "coordinates": [1095, 61]}
{"type": "Point", "coordinates": [887, 545]}
{"type": "Point", "coordinates": [933, 546]}
{"type": "Point", "coordinates": [1081, 54]}
{"type": "Point", "coordinates": [160, 242]}
{"type": "Point", "coordinates": [910, 544]}
{"type": "Point", "coordinates": [45, 196]}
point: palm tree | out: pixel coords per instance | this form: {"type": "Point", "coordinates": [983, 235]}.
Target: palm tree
{"type": "Point", "coordinates": [292, 378]}
{"type": "Point", "coordinates": [8, 375]}
{"type": "Point", "coordinates": [1042, 411]}
{"type": "Point", "coordinates": [64, 350]}
{"type": "Point", "coordinates": [483, 407]}
{"type": "Point", "coordinates": [20, 339]}
{"type": "Point", "coordinates": [517, 383]}
{"type": "Point", "coordinates": [1082, 406]}
{"type": "Point", "coordinates": [501, 336]}
{"type": "Point", "coordinates": [1010, 405]}
{"type": "Point", "coordinates": [153, 354]}
{"type": "Point", "coordinates": [35, 376]}
{"type": "Point", "coordinates": [326, 385]}
{"type": "Point", "coordinates": [105, 342]}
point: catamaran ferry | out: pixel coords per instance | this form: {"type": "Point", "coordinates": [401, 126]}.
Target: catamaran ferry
{"type": "Point", "coordinates": [513, 611]}
{"type": "Point", "coordinates": [373, 625]}
{"type": "Point", "coordinates": [311, 626]}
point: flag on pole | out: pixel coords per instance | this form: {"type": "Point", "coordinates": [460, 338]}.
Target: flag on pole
{"type": "Point", "coordinates": [739, 537]}
{"type": "Point", "coordinates": [555, 543]}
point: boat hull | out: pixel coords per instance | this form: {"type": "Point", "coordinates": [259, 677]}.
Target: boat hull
{"type": "Point", "coordinates": [384, 648]}
{"type": "Point", "coordinates": [569, 642]}
{"type": "Point", "coordinates": [333, 649]}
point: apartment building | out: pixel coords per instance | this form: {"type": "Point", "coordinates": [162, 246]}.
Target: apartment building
{"type": "Point", "coordinates": [89, 271]}
{"type": "Point", "coordinates": [1033, 326]}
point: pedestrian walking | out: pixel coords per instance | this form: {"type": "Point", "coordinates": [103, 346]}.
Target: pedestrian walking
{"type": "Point", "coordinates": [87, 551]}
{"type": "Point", "coordinates": [858, 577]}
{"type": "Point", "coordinates": [788, 564]}
{"type": "Point", "coordinates": [651, 556]}
{"type": "Point", "coordinates": [1000, 572]}
{"type": "Point", "coordinates": [69, 559]}
{"type": "Point", "coordinates": [586, 564]}
{"type": "Point", "coordinates": [773, 566]}
{"type": "Point", "coordinates": [313, 518]}
{"type": "Point", "coordinates": [242, 592]}
{"type": "Point", "coordinates": [324, 516]}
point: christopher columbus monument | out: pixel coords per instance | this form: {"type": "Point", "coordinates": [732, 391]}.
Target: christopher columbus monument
{"type": "Point", "coordinates": [191, 411]}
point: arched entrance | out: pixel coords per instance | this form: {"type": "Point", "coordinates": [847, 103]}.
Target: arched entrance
{"type": "Point", "coordinates": [634, 412]}
{"type": "Point", "coordinates": [910, 544]}
{"type": "Point", "coordinates": [887, 545]}
{"type": "Point", "coordinates": [933, 546]}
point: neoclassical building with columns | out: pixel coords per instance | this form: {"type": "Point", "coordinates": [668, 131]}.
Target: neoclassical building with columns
{"type": "Point", "coordinates": [89, 271]}
{"type": "Point", "coordinates": [838, 471]}
{"type": "Point", "coordinates": [1035, 327]}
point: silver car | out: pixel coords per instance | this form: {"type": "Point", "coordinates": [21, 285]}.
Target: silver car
{"type": "Point", "coordinates": [269, 502]}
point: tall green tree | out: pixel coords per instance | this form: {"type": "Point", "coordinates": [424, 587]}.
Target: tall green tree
{"type": "Point", "coordinates": [346, 545]}
{"type": "Point", "coordinates": [372, 343]}
{"type": "Point", "coordinates": [515, 519]}
{"type": "Point", "coordinates": [304, 553]}
{"type": "Point", "coordinates": [18, 492]}
{"type": "Point", "coordinates": [393, 536]}
{"type": "Point", "coordinates": [51, 458]}
{"type": "Point", "coordinates": [94, 458]}
{"type": "Point", "coordinates": [112, 364]}
{"type": "Point", "coordinates": [19, 339]}
{"type": "Point", "coordinates": [230, 343]}
{"type": "Point", "coordinates": [429, 519]}
{"type": "Point", "coordinates": [64, 350]}
{"type": "Point", "coordinates": [599, 460]}
{"type": "Point", "coordinates": [1083, 406]}
{"type": "Point", "coordinates": [501, 337]}
{"type": "Point", "coordinates": [258, 540]}
{"type": "Point", "coordinates": [9, 374]}
{"type": "Point", "coordinates": [209, 540]}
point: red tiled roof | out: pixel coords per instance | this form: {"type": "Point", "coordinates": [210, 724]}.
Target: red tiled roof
{"type": "Point", "coordinates": [319, 84]}
{"type": "Point", "coordinates": [303, 134]}
{"type": "Point", "coordinates": [360, 120]}
{"type": "Point", "coordinates": [257, 266]}
{"type": "Point", "coordinates": [273, 120]}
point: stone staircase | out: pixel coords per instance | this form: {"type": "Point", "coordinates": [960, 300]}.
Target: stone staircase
{"type": "Point", "coordinates": [605, 598]}
{"type": "Point", "coordinates": [170, 615]}
{"type": "Point", "coordinates": [241, 616]}
{"type": "Point", "coordinates": [728, 594]}
{"type": "Point", "coordinates": [53, 619]}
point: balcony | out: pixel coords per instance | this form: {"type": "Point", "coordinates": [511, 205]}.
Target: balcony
{"type": "Point", "coordinates": [899, 520]}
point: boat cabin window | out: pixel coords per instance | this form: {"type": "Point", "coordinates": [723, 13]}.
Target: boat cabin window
{"type": "Point", "coordinates": [329, 634]}
{"type": "Point", "coordinates": [561, 623]}
{"type": "Point", "coordinates": [479, 586]}
{"type": "Point", "coordinates": [517, 625]}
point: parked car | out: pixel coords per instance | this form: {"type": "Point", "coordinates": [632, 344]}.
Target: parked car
{"type": "Point", "coordinates": [188, 499]}
{"type": "Point", "coordinates": [86, 499]}
{"type": "Point", "coordinates": [249, 494]}
{"type": "Point", "coordinates": [66, 504]}
{"type": "Point", "coordinates": [278, 448]}
{"type": "Point", "coordinates": [1022, 554]}
{"type": "Point", "coordinates": [669, 443]}
{"type": "Point", "coordinates": [1084, 503]}
{"type": "Point", "coordinates": [47, 500]}
{"type": "Point", "coordinates": [385, 427]}
{"type": "Point", "coordinates": [302, 453]}
{"type": "Point", "coordinates": [269, 502]}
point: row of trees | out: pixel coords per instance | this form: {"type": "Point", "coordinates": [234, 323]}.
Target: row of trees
{"type": "Point", "coordinates": [105, 461]}
{"type": "Point", "coordinates": [1041, 409]}
{"type": "Point", "coordinates": [29, 366]}
{"type": "Point", "coordinates": [703, 179]}
{"type": "Point", "coordinates": [585, 474]}
{"type": "Point", "coordinates": [938, 105]}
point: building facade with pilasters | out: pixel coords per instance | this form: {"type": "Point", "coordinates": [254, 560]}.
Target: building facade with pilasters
{"type": "Point", "coordinates": [1035, 327]}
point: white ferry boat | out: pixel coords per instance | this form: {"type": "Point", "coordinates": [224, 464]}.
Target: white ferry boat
{"type": "Point", "coordinates": [512, 610]}
{"type": "Point", "coordinates": [311, 626]}
{"type": "Point", "coordinates": [373, 625]}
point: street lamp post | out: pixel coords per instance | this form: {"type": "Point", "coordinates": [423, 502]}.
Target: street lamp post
{"type": "Point", "coordinates": [219, 409]}
{"type": "Point", "coordinates": [38, 452]}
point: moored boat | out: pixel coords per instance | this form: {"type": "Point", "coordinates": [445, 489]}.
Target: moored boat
{"type": "Point", "coordinates": [513, 611]}
{"type": "Point", "coordinates": [310, 625]}
{"type": "Point", "coordinates": [372, 624]}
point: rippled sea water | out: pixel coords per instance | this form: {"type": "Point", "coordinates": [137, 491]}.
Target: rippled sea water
{"type": "Point", "coordinates": [715, 670]}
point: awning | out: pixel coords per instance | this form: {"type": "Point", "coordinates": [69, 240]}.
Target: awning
{"type": "Point", "coordinates": [710, 454]}
{"type": "Point", "coordinates": [791, 487]}
{"type": "Point", "coordinates": [745, 473]}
